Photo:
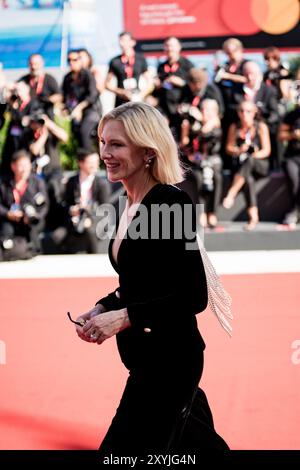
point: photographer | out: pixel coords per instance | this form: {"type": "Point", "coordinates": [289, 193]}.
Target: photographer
{"type": "Point", "coordinates": [85, 192]}
{"type": "Point", "coordinates": [277, 75]}
{"type": "Point", "coordinates": [23, 205]}
{"type": "Point", "coordinates": [248, 143]}
{"type": "Point", "coordinates": [81, 100]}
{"type": "Point", "coordinates": [289, 132]}
{"type": "Point", "coordinates": [205, 161]}
{"type": "Point", "coordinates": [19, 105]}
{"type": "Point", "coordinates": [172, 75]}
{"type": "Point", "coordinates": [43, 86]}
{"type": "Point", "coordinates": [193, 94]}
{"type": "Point", "coordinates": [266, 100]}
{"type": "Point", "coordinates": [41, 138]}
{"type": "Point", "coordinates": [128, 70]}
{"type": "Point", "coordinates": [229, 76]}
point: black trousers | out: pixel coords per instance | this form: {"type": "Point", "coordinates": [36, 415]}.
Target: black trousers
{"type": "Point", "coordinates": [67, 240]}
{"type": "Point", "coordinates": [210, 199]}
{"type": "Point", "coordinates": [83, 131]}
{"type": "Point", "coordinates": [161, 414]}
{"type": "Point", "coordinates": [31, 233]}
{"type": "Point", "coordinates": [292, 168]}
{"type": "Point", "coordinates": [251, 169]}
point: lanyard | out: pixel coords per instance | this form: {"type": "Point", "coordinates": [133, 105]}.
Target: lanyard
{"type": "Point", "coordinates": [196, 100]}
{"type": "Point", "coordinates": [232, 68]}
{"type": "Point", "coordinates": [128, 63]}
{"type": "Point", "coordinates": [37, 84]}
{"type": "Point", "coordinates": [37, 134]}
{"type": "Point", "coordinates": [24, 104]}
{"type": "Point", "coordinates": [171, 68]}
{"type": "Point", "coordinates": [18, 193]}
{"type": "Point", "coordinates": [248, 134]}
{"type": "Point", "coordinates": [196, 146]}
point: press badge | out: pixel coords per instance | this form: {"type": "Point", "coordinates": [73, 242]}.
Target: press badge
{"type": "Point", "coordinates": [130, 84]}
{"type": "Point", "coordinates": [16, 131]}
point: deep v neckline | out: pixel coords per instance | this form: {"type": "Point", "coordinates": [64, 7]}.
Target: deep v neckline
{"type": "Point", "coordinates": [115, 261]}
{"type": "Point", "coordinates": [123, 226]}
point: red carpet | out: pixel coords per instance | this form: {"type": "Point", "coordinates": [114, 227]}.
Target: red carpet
{"type": "Point", "coordinates": [60, 393]}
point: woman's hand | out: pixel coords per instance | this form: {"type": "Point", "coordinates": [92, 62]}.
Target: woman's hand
{"type": "Point", "coordinates": [101, 327]}
{"type": "Point", "coordinates": [85, 317]}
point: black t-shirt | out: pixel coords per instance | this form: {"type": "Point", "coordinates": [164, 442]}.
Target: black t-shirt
{"type": "Point", "coordinates": [227, 87]}
{"type": "Point", "coordinates": [293, 120]}
{"type": "Point", "coordinates": [169, 95]}
{"type": "Point", "coordinates": [41, 89]}
{"type": "Point", "coordinates": [123, 69]}
{"type": "Point", "coordinates": [273, 77]}
{"type": "Point", "coordinates": [210, 142]}
{"type": "Point", "coordinates": [81, 88]}
{"type": "Point", "coordinates": [16, 128]}
{"type": "Point", "coordinates": [211, 91]}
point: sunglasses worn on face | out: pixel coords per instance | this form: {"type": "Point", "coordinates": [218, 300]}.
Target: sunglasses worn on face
{"type": "Point", "coordinates": [79, 323]}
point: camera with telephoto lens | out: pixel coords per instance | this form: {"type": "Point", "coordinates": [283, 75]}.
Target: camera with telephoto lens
{"type": "Point", "coordinates": [184, 110]}
{"type": "Point", "coordinates": [208, 176]}
{"type": "Point", "coordinates": [275, 75]}
{"type": "Point", "coordinates": [80, 221]}
{"type": "Point", "coordinates": [31, 213]}
{"type": "Point", "coordinates": [37, 116]}
{"type": "Point", "coordinates": [30, 210]}
{"type": "Point", "coordinates": [251, 148]}
{"type": "Point", "coordinates": [13, 96]}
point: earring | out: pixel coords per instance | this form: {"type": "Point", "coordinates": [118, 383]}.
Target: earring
{"type": "Point", "coordinates": [148, 163]}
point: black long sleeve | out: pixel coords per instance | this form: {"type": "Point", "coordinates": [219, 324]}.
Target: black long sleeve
{"type": "Point", "coordinates": [174, 277]}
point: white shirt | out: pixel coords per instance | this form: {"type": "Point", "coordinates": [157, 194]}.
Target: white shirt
{"type": "Point", "coordinates": [86, 184]}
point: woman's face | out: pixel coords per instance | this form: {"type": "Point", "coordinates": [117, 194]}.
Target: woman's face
{"type": "Point", "coordinates": [272, 63]}
{"type": "Point", "coordinates": [234, 53]}
{"type": "Point", "coordinates": [123, 159]}
{"type": "Point", "coordinates": [247, 113]}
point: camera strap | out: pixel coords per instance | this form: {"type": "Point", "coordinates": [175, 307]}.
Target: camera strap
{"type": "Point", "coordinates": [19, 192]}
{"type": "Point", "coordinates": [37, 84]}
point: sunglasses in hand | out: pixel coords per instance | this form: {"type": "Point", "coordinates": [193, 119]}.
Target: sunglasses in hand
{"type": "Point", "coordinates": [79, 323]}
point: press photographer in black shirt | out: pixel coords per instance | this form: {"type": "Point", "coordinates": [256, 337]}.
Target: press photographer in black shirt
{"type": "Point", "coordinates": [201, 144]}
{"type": "Point", "coordinates": [80, 96]}
{"type": "Point", "coordinates": [172, 76]}
{"type": "Point", "coordinates": [276, 74]}
{"type": "Point", "coordinates": [23, 204]}
{"type": "Point", "coordinates": [289, 132]}
{"type": "Point", "coordinates": [84, 194]}
{"type": "Point", "coordinates": [43, 86]}
{"type": "Point", "coordinates": [193, 94]}
{"type": "Point", "coordinates": [41, 138]}
{"type": "Point", "coordinates": [127, 70]}
{"type": "Point", "coordinates": [19, 105]}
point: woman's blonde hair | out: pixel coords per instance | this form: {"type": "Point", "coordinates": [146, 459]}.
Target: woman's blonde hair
{"type": "Point", "coordinates": [236, 43]}
{"type": "Point", "coordinates": [146, 127]}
